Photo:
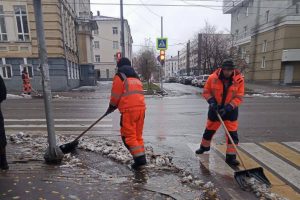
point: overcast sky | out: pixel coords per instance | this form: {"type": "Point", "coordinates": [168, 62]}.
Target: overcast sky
{"type": "Point", "coordinates": [180, 23]}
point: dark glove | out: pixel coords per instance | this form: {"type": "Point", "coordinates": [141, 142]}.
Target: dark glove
{"type": "Point", "coordinates": [228, 108]}
{"type": "Point", "coordinates": [213, 104]}
{"type": "Point", "coordinates": [111, 109]}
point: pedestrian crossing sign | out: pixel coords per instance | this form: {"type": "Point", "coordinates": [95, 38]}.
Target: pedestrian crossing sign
{"type": "Point", "coordinates": [162, 43]}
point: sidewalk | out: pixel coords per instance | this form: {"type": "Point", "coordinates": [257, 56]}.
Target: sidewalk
{"type": "Point", "coordinates": [273, 89]}
{"type": "Point", "coordinates": [90, 175]}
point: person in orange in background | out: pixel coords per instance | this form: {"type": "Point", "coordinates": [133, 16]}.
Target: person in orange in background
{"type": "Point", "coordinates": [26, 82]}
{"type": "Point", "coordinates": [127, 95]}
{"type": "Point", "coordinates": [224, 92]}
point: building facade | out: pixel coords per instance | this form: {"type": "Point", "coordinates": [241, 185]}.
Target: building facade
{"type": "Point", "coordinates": [85, 27]}
{"type": "Point", "coordinates": [107, 44]}
{"type": "Point", "coordinates": [171, 67]}
{"type": "Point", "coordinates": [19, 47]}
{"type": "Point", "coordinates": [267, 36]}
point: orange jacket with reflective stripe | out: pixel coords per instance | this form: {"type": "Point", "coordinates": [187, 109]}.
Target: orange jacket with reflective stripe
{"type": "Point", "coordinates": [214, 87]}
{"type": "Point", "coordinates": [127, 93]}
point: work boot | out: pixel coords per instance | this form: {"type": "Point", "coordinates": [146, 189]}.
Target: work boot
{"type": "Point", "coordinates": [3, 161]}
{"type": "Point", "coordinates": [202, 149]}
{"type": "Point", "coordinates": [231, 160]}
{"type": "Point", "coordinates": [139, 163]}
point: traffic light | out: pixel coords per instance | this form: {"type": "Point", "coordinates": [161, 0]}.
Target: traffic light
{"type": "Point", "coordinates": [162, 56]}
{"type": "Point", "coordinates": [119, 56]}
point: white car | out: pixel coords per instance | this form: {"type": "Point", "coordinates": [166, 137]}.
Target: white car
{"type": "Point", "coordinates": [202, 80]}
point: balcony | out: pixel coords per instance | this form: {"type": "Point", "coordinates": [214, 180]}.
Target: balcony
{"type": "Point", "coordinates": [230, 5]}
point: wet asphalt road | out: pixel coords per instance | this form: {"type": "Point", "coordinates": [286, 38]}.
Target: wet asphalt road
{"type": "Point", "coordinates": [172, 122]}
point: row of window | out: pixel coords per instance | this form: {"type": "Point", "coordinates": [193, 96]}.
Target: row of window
{"type": "Point", "coordinates": [98, 58]}
{"type": "Point", "coordinates": [115, 31]}
{"type": "Point", "coordinates": [6, 71]}
{"type": "Point", "coordinates": [115, 44]}
{"type": "Point", "coordinates": [73, 70]}
{"type": "Point", "coordinates": [20, 15]}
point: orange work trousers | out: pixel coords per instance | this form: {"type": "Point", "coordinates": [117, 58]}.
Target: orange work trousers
{"type": "Point", "coordinates": [132, 125]}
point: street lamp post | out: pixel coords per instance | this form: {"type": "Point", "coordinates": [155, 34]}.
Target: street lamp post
{"type": "Point", "coordinates": [53, 154]}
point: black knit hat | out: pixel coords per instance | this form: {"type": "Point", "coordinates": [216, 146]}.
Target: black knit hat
{"type": "Point", "coordinates": [228, 64]}
{"type": "Point", "coordinates": [124, 62]}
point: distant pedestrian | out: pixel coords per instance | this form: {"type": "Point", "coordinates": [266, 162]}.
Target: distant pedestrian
{"type": "Point", "coordinates": [26, 82]}
{"type": "Point", "coordinates": [127, 95]}
{"type": "Point", "coordinates": [3, 161]}
{"type": "Point", "coordinates": [224, 92]}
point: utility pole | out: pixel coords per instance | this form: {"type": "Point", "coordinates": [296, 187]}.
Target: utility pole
{"type": "Point", "coordinates": [163, 65]}
{"type": "Point", "coordinates": [53, 154]}
{"type": "Point", "coordinates": [188, 69]}
{"type": "Point", "coordinates": [178, 53]}
{"type": "Point", "coordinates": [122, 30]}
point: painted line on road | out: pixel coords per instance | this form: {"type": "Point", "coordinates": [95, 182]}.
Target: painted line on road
{"type": "Point", "coordinates": [283, 151]}
{"type": "Point", "coordinates": [278, 186]}
{"type": "Point", "coordinates": [58, 126]}
{"type": "Point", "coordinates": [57, 120]}
{"type": "Point", "coordinates": [293, 145]}
{"type": "Point", "coordinates": [286, 171]}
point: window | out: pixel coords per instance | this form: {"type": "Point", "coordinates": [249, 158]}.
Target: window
{"type": "Point", "coordinates": [22, 23]}
{"type": "Point", "coordinates": [107, 73]}
{"type": "Point", "coordinates": [3, 34]}
{"type": "Point", "coordinates": [97, 58]}
{"type": "Point", "coordinates": [243, 53]}
{"type": "Point", "coordinates": [6, 71]}
{"type": "Point", "coordinates": [69, 69]}
{"type": "Point", "coordinates": [267, 16]}
{"type": "Point", "coordinates": [264, 46]}
{"type": "Point", "coordinates": [263, 62]}
{"type": "Point", "coordinates": [115, 44]}
{"type": "Point", "coordinates": [72, 70]}
{"type": "Point", "coordinates": [29, 69]}
{"type": "Point", "coordinates": [115, 30]}
{"type": "Point", "coordinates": [97, 45]}
{"type": "Point", "coordinates": [245, 31]}
{"type": "Point", "coordinates": [96, 32]}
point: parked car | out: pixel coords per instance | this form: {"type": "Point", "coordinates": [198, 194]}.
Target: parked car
{"type": "Point", "coordinates": [195, 81]}
{"type": "Point", "coordinates": [172, 80]}
{"type": "Point", "coordinates": [188, 80]}
{"type": "Point", "coordinates": [202, 80]}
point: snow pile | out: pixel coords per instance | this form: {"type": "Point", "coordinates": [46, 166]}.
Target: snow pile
{"type": "Point", "coordinates": [209, 191]}
{"type": "Point", "coordinates": [117, 151]}
{"type": "Point", "coordinates": [261, 190]}
{"type": "Point", "coordinates": [268, 95]}
{"type": "Point", "coordinates": [60, 97]}
{"type": "Point", "coordinates": [13, 96]}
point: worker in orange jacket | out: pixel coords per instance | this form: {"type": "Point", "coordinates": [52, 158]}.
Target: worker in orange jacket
{"type": "Point", "coordinates": [127, 95]}
{"type": "Point", "coordinates": [224, 92]}
{"type": "Point", "coordinates": [26, 82]}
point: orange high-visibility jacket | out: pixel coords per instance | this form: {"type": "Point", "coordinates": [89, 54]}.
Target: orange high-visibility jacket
{"type": "Point", "coordinates": [127, 93]}
{"type": "Point", "coordinates": [214, 88]}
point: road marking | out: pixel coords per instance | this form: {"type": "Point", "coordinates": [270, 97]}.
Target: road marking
{"type": "Point", "coordinates": [286, 171]}
{"type": "Point", "coordinates": [58, 126]}
{"type": "Point", "coordinates": [278, 186]}
{"type": "Point", "coordinates": [57, 120]}
{"type": "Point", "coordinates": [283, 151]}
{"type": "Point", "coordinates": [294, 145]}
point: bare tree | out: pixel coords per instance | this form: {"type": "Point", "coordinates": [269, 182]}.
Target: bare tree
{"type": "Point", "coordinates": [146, 62]}
{"type": "Point", "coordinates": [214, 48]}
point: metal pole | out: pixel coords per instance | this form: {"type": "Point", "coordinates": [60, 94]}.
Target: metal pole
{"type": "Point", "coordinates": [53, 154]}
{"type": "Point", "coordinates": [163, 65]}
{"type": "Point", "coordinates": [122, 30]}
